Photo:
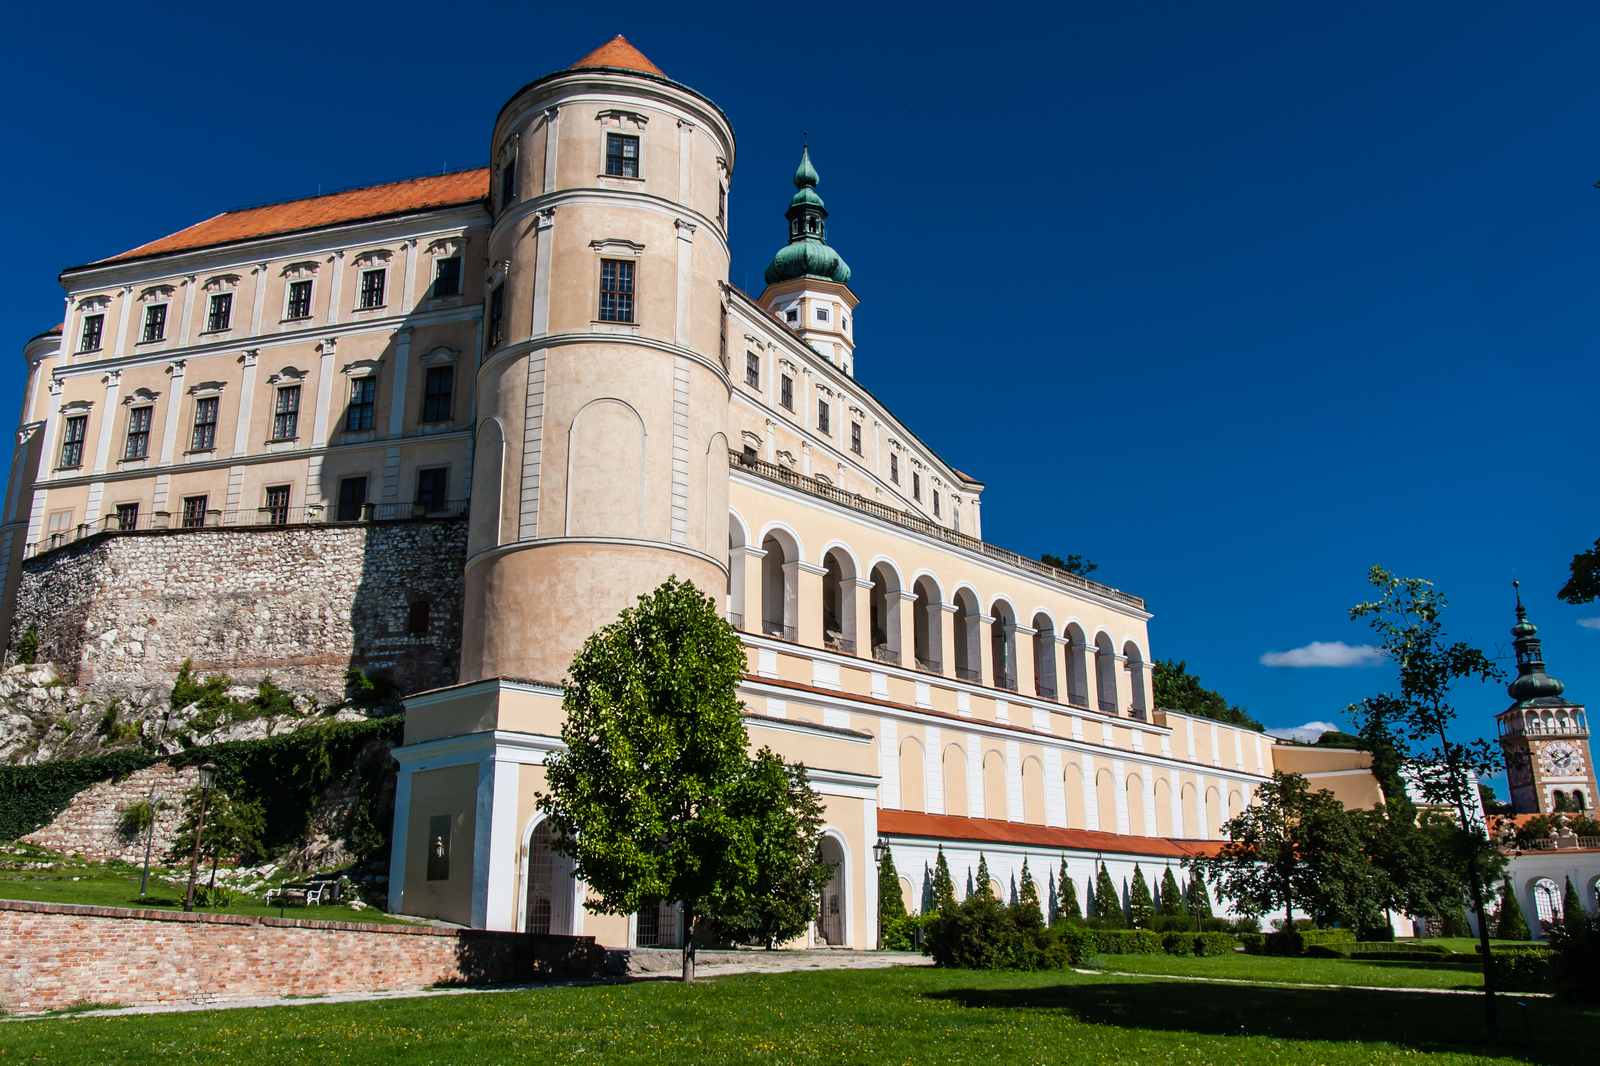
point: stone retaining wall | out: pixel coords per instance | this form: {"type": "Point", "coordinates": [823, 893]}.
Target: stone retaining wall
{"type": "Point", "coordinates": [88, 827]}
{"type": "Point", "coordinates": [120, 612]}
{"type": "Point", "coordinates": [55, 955]}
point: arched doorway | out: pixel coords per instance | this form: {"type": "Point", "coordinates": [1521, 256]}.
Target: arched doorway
{"type": "Point", "coordinates": [550, 888]}
{"type": "Point", "coordinates": [831, 920]}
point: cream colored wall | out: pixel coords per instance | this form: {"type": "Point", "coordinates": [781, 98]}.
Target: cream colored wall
{"type": "Point", "coordinates": [453, 791]}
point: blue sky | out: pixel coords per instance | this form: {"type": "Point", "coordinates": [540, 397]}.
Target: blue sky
{"type": "Point", "coordinates": [1239, 300]}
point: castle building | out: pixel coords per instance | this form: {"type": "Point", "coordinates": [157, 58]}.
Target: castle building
{"type": "Point", "coordinates": [1544, 735]}
{"type": "Point", "coordinates": [544, 360]}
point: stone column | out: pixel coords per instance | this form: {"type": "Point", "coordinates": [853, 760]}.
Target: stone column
{"type": "Point", "coordinates": [1058, 651]}
{"type": "Point", "coordinates": [749, 591]}
{"type": "Point", "coordinates": [1021, 638]}
{"type": "Point", "coordinates": [902, 623]}
{"type": "Point", "coordinates": [1124, 685]}
{"type": "Point", "coordinates": [857, 593]}
{"type": "Point", "coordinates": [947, 637]}
{"type": "Point", "coordinates": [808, 602]}
{"type": "Point", "coordinates": [986, 674]}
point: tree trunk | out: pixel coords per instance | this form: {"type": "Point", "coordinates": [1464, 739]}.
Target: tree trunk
{"type": "Point", "coordinates": [688, 944]}
{"type": "Point", "coordinates": [1492, 1016]}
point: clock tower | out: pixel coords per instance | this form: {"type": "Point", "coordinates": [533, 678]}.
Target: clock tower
{"type": "Point", "coordinates": [1545, 736]}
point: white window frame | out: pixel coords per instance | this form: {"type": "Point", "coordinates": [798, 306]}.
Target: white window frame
{"type": "Point", "coordinates": [205, 323]}
{"type": "Point", "coordinates": [144, 321]}
{"type": "Point", "coordinates": [298, 272]}
{"type": "Point", "coordinates": [361, 284]}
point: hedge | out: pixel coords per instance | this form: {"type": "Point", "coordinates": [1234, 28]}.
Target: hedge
{"type": "Point", "coordinates": [1295, 942]}
{"type": "Point", "coordinates": [1521, 969]}
{"type": "Point", "coordinates": [1128, 942]}
{"type": "Point", "coordinates": [32, 796]}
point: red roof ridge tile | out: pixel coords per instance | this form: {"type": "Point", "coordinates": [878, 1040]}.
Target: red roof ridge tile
{"type": "Point", "coordinates": [618, 53]}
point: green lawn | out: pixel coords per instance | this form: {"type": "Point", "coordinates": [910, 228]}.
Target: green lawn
{"type": "Point", "coordinates": [902, 1015]}
{"type": "Point", "coordinates": [1310, 971]}
{"type": "Point", "coordinates": [117, 885]}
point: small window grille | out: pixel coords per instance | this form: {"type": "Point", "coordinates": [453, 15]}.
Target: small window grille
{"type": "Point", "coordinates": [448, 280]}
{"type": "Point", "coordinates": [916, 486]}
{"type": "Point", "coordinates": [278, 505]}
{"type": "Point", "coordinates": [299, 300]}
{"type": "Point", "coordinates": [155, 323]}
{"type": "Point", "coordinates": [752, 370]}
{"type": "Point", "coordinates": [622, 156]}
{"type": "Point", "coordinates": [786, 391]}
{"type": "Point", "coordinates": [352, 498]}
{"type": "Point", "coordinates": [194, 511]}
{"type": "Point", "coordinates": [855, 437]}
{"type": "Point", "coordinates": [508, 182]}
{"type": "Point", "coordinates": [372, 287]}
{"type": "Point", "coordinates": [823, 417]}
{"type": "Point", "coordinates": [936, 503]}
{"type": "Point", "coordinates": [894, 468]}
{"type": "Point", "coordinates": [220, 313]}
{"type": "Point", "coordinates": [204, 437]}
{"type": "Point", "coordinates": [127, 516]}
{"type": "Point", "coordinates": [138, 446]}
{"type": "Point", "coordinates": [286, 417]}
{"type": "Point", "coordinates": [616, 290]}
{"type": "Point", "coordinates": [363, 400]}
{"type": "Point", "coordinates": [93, 325]}
{"type": "Point", "coordinates": [436, 400]}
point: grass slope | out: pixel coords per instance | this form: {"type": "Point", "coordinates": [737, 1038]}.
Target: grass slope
{"type": "Point", "coordinates": [920, 1016]}
{"type": "Point", "coordinates": [1291, 971]}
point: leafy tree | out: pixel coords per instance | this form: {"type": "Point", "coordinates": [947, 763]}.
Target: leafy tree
{"type": "Point", "coordinates": [1511, 925]}
{"type": "Point", "coordinates": [944, 889]}
{"type": "Point", "coordinates": [1196, 896]}
{"type": "Point", "coordinates": [1068, 891]}
{"type": "Point", "coordinates": [1491, 801]}
{"type": "Point", "coordinates": [983, 876]}
{"type": "Point", "coordinates": [1141, 908]}
{"type": "Point", "coordinates": [233, 827]}
{"type": "Point", "coordinates": [784, 816]}
{"type": "Point", "coordinates": [1107, 900]}
{"type": "Point", "coordinates": [654, 796]}
{"type": "Point", "coordinates": [1072, 564]}
{"type": "Point", "coordinates": [28, 646]}
{"type": "Point", "coordinates": [1178, 690]}
{"type": "Point", "coordinates": [1417, 718]}
{"type": "Point", "coordinates": [1573, 917]}
{"type": "Point", "coordinates": [1583, 586]}
{"type": "Point", "coordinates": [1171, 898]}
{"type": "Point", "coordinates": [1028, 896]}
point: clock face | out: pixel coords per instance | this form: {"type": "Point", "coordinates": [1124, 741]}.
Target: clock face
{"type": "Point", "coordinates": [1561, 759]}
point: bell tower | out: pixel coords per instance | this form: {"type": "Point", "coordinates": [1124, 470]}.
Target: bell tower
{"type": "Point", "coordinates": [1545, 736]}
{"type": "Point", "coordinates": [808, 283]}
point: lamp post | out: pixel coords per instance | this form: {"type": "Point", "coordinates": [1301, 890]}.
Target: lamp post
{"type": "Point", "coordinates": [208, 781]}
{"type": "Point", "coordinates": [156, 797]}
{"type": "Point", "coordinates": [880, 849]}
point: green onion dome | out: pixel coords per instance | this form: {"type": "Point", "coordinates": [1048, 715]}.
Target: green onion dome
{"type": "Point", "coordinates": [807, 254]}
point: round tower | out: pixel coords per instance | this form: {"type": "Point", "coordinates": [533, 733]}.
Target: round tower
{"type": "Point", "coordinates": [601, 458]}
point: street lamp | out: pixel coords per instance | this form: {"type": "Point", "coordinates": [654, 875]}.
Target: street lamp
{"type": "Point", "coordinates": [880, 850]}
{"type": "Point", "coordinates": [208, 781]}
{"type": "Point", "coordinates": [156, 797]}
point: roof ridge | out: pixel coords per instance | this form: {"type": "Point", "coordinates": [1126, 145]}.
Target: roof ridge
{"type": "Point", "coordinates": [350, 188]}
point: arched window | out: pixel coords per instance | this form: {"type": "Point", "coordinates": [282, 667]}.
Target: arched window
{"type": "Point", "coordinates": [1547, 901]}
{"type": "Point", "coordinates": [886, 637]}
{"type": "Point", "coordinates": [549, 886]}
{"type": "Point", "coordinates": [1077, 667]}
{"type": "Point", "coordinates": [1105, 663]}
{"type": "Point", "coordinates": [834, 615]}
{"type": "Point", "coordinates": [1045, 684]}
{"type": "Point", "coordinates": [1002, 638]}
{"type": "Point", "coordinates": [1136, 681]}
{"type": "Point", "coordinates": [928, 623]}
{"type": "Point", "coordinates": [779, 588]}
{"type": "Point", "coordinates": [831, 921]}
{"type": "Point", "coordinates": [967, 624]}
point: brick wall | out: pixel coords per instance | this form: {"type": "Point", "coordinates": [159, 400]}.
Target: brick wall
{"type": "Point", "coordinates": [120, 612]}
{"type": "Point", "coordinates": [54, 955]}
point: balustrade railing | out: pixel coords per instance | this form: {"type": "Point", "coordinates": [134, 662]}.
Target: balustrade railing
{"type": "Point", "coordinates": [1108, 707]}
{"type": "Point", "coordinates": [907, 520]}
{"type": "Point", "coordinates": [967, 673]}
{"type": "Point", "coordinates": [779, 630]}
{"type": "Point", "coordinates": [928, 666]}
{"type": "Point", "coordinates": [840, 644]}
{"type": "Point", "coordinates": [735, 620]}
{"type": "Point", "coordinates": [885, 654]}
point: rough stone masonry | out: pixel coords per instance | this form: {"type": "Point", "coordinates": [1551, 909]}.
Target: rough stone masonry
{"type": "Point", "coordinates": [119, 613]}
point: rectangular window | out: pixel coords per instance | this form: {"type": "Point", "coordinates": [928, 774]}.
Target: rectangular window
{"type": "Point", "coordinates": [447, 282]}
{"type": "Point", "coordinates": [752, 370]}
{"type": "Point", "coordinates": [194, 511]}
{"type": "Point", "coordinates": [93, 326]}
{"type": "Point", "coordinates": [855, 437]}
{"type": "Point", "coordinates": [622, 156]}
{"type": "Point", "coordinates": [299, 300]}
{"type": "Point", "coordinates": [138, 446]}
{"type": "Point", "coordinates": [437, 395]}
{"type": "Point", "coordinates": [77, 428]}
{"type": "Point", "coordinates": [286, 414]}
{"type": "Point", "coordinates": [372, 287]}
{"type": "Point", "coordinates": [155, 323]}
{"type": "Point", "coordinates": [822, 314]}
{"type": "Point", "coordinates": [792, 315]}
{"type": "Point", "coordinates": [616, 290]}
{"type": "Point", "coordinates": [722, 206]}
{"type": "Point", "coordinates": [439, 847]}
{"type": "Point", "coordinates": [220, 313]}
{"type": "Point", "coordinates": [60, 522]}
{"type": "Point", "coordinates": [508, 182]}
{"type": "Point", "coordinates": [127, 516]}
{"type": "Point", "coordinates": [417, 619]}
{"type": "Point", "coordinates": [363, 398]}
{"type": "Point", "coordinates": [936, 503]}
{"type": "Point", "coordinates": [278, 505]}
{"type": "Point", "coordinates": [894, 468]}
{"type": "Point", "coordinates": [786, 391]}
{"type": "Point", "coordinates": [823, 417]}
{"type": "Point", "coordinates": [433, 488]}
{"type": "Point", "coordinates": [352, 498]}
{"type": "Point", "coordinates": [916, 485]}
{"type": "Point", "coordinates": [497, 313]}
{"type": "Point", "coordinates": [204, 437]}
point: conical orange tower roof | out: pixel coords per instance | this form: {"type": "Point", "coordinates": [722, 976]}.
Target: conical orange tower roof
{"type": "Point", "coordinates": [617, 52]}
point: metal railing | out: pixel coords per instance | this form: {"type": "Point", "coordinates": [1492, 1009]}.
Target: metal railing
{"type": "Point", "coordinates": [1107, 707]}
{"type": "Point", "coordinates": [1559, 844]}
{"type": "Point", "coordinates": [735, 620]}
{"type": "Point", "coordinates": [1008, 683]}
{"type": "Point", "coordinates": [255, 517]}
{"type": "Point", "coordinates": [968, 673]}
{"type": "Point", "coordinates": [1044, 691]}
{"type": "Point", "coordinates": [1138, 713]}
{"type": "Point", "coordinates": [928, 666]}
{"type": "Point", "coordinates": [779, 630]}
{"type": "Point", "coordinates": [885, 654]}
{"type": "Point", "coordinates": [839, 643]}
{"type": "Point", "coordinates": [905, 519]}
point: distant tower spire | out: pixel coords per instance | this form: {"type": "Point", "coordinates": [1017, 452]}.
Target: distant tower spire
{"type": "Point", "coordinates": [1531, 681]}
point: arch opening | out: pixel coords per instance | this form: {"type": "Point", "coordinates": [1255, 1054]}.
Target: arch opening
{"type": "Point", "coordinates": [1045, 685]}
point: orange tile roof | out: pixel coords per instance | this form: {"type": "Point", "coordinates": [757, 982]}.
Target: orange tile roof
{"type": "Point", "coordinates": [617, 52]}
{"type": "Point", "coordinates": [351, 205]}
{"type": "Point", "coordinates": [992, 830]}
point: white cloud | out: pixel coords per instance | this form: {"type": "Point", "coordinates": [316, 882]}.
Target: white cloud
{"type": "Point", "coordinates": [1589, 623]}
{"type": "Point", "coordinates": [1307, 733]}
{"type": "Point", "coordinates": [1319, 653]}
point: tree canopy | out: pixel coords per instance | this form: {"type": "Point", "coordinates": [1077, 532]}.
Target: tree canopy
{"type": "Point", "coordinates": [1072, 564]}
{"type": "Point", "coordinates": [1583, 584]}
{"type": "Point", "coordinates": [1178, 690]}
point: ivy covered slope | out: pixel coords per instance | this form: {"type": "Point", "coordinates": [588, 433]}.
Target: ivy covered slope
{"type": "Point", "coordinates": [1176, 689]}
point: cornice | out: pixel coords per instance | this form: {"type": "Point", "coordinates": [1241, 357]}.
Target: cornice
{"type": "Point", "coordinates": [558, 340]}
{"type": "Point", "coordinates": [592, 195]}
{"type": "Point", "coordinates": [625, 542]}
